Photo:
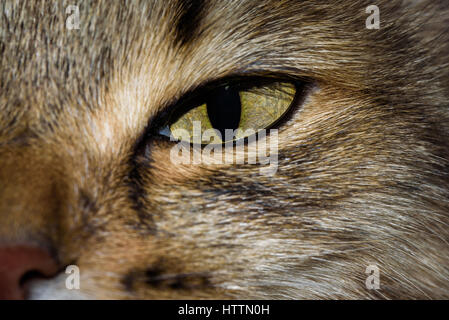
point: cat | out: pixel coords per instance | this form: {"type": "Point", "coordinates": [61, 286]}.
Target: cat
{"type": "Point", "coordinates": [87, 181]}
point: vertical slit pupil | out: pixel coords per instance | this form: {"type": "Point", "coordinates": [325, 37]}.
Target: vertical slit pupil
{"type": "Point", "coordinates": [224, 109]}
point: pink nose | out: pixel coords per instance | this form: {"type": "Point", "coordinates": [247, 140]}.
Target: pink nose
{"type": "Point", "coordinates": [16, 263]}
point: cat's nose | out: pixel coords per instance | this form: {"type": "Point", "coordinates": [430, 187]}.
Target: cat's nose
{"type": "Point", "coordinates": [18, 264]}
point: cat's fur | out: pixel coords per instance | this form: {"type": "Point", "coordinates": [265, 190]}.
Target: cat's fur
{"type": "Point", "coordinates": [363, 174]}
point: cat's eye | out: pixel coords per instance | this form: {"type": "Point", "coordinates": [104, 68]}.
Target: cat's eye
{"type": "Point", "coordinates": [232, 112]}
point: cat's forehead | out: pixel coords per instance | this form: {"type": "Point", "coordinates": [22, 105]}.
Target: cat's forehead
{"type": "Point", "coordinates": [63, 47]}
{"type": "Point", "coordinates": [62, 41]}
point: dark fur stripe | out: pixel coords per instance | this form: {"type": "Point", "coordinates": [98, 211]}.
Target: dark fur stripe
{"type": "Point", "coordinates": [190, 14]}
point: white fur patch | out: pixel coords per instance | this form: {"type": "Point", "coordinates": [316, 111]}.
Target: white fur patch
{"type": "Point", "coordinates": [54, 289]}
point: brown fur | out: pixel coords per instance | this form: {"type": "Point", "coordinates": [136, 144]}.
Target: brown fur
{"type": "Point", "coordinates": [363, 172]}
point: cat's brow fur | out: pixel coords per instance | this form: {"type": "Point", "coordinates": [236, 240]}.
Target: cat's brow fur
{"type": "Point", "coordinates": [363, 174]}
